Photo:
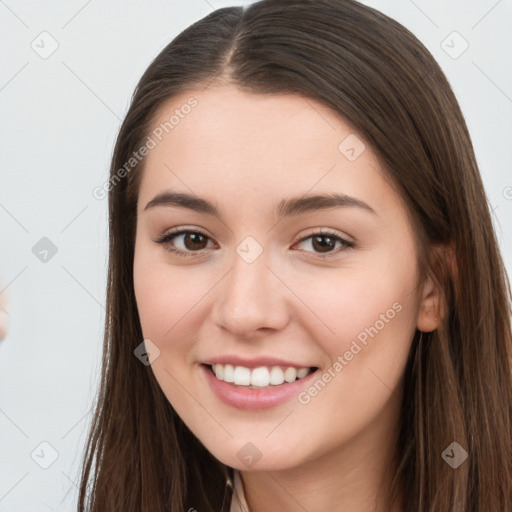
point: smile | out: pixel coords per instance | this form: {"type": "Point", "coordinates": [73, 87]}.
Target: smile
{"type": "Point", "coordinates": [277, 384]}
{"type": "Point", "coordinates": [260, 377]}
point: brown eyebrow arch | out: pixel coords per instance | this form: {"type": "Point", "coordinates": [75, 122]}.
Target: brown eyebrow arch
{"type": "Point", "coordinates": [286, 208]}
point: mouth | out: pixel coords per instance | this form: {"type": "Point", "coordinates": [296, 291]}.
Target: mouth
{"type": "Point", "coordinates": [262, 377]}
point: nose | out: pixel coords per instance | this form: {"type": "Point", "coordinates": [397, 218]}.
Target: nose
{"type": "Point", "coordinates": [251, 299]}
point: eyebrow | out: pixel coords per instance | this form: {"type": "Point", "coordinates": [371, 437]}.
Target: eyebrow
{"type": "Point", "coordinates": [286, 208]}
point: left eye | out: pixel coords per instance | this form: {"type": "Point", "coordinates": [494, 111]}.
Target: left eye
{"type": "Point", "coordinates": [325, 243]}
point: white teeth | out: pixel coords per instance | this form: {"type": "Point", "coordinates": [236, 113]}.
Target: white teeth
{"type": "Point", "coordinates": [242, 376]}
{"type": "Point", "coordinates": [302, 372]}
{"type": "Point", "coordinates": [219, 371]}
{"type": "Point", "coordinates": [276, 376]}
{"type": "Point", "coordinates": [229, 372]}
{"type": "Point", "coordinates": [260, 377]}
{"type": "Point", "coordinates": [290, 374]}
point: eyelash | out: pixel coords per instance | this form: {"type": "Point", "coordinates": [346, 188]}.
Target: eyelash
{"type": "Point", "coordinates": [166, 238]}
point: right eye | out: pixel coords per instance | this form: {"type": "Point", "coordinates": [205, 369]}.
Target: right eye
{"type": "Point", "coordinates": [192, 241]}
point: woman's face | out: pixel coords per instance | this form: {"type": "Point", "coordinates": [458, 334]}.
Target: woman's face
{"type": "Point", "coordinates": [274, 273]}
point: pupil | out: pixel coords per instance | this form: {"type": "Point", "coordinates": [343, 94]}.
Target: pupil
{"type": "Point", "coordinates": [323, 246]}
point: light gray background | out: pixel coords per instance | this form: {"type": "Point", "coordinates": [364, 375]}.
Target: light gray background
{"type": "Point", "coordinates": [59, 118]}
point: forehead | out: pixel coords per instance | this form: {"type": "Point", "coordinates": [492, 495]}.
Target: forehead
{"type": "Point", "coordinates": [235, 144]}
{"type": "Point", "coordinates": [228, 116]}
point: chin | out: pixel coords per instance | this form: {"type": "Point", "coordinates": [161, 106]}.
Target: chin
{"type": "Point", "coordinates": [258, 456]}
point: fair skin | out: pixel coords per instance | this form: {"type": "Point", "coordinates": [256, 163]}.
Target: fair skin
{"type": "Point", "coordinates": [246, 153]}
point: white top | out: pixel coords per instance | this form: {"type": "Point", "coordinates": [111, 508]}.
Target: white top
{"type": "Point", "coordinates": [238, 489]}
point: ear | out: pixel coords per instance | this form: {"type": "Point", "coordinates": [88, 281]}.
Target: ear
{"type": "Point", "coordinates": [432, 307]}
{"type": "Point", "coordinates": [428, 310]}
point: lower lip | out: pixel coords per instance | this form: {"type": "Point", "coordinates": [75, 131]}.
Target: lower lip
{"type": "Point", "coordinates": [242, 397]}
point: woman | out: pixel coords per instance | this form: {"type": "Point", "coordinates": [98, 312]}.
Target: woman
{"type": "Point", "coordinates": [306, 301]}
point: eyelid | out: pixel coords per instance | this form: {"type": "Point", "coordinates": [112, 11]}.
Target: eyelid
{"type": "Point", "coordinates": [326, 231]}
{"type": "Point", "coordinates": [346, 244]}
{"type": "Point", "coordinates": [175, 232]}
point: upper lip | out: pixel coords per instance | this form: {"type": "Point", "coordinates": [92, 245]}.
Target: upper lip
{"type": "Point", "coordinates": [254, 362]}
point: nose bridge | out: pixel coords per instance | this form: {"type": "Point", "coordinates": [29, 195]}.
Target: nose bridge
{"type": "Point", "coordinates": [250, 296]}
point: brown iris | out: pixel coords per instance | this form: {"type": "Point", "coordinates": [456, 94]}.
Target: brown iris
{"type": "Point", "coordinates": [323, 247]}
{"type": "Point", "coordinates": [194, 241]}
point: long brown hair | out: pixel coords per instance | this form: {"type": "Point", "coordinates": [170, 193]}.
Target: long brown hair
{"type": "Point", "coordinates": [140, 456]}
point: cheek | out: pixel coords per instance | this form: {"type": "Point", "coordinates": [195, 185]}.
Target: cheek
{"type": "Point", "coordinates": [350, 303]}
{"type": "Point", "coordinates": [355, 306]}
{"type": "Point", "coordinates": [165, 301]}
{"type": "Point", "coordinates": [373, 318]}
{"type": "Point", "coordinates": [169, 299]}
